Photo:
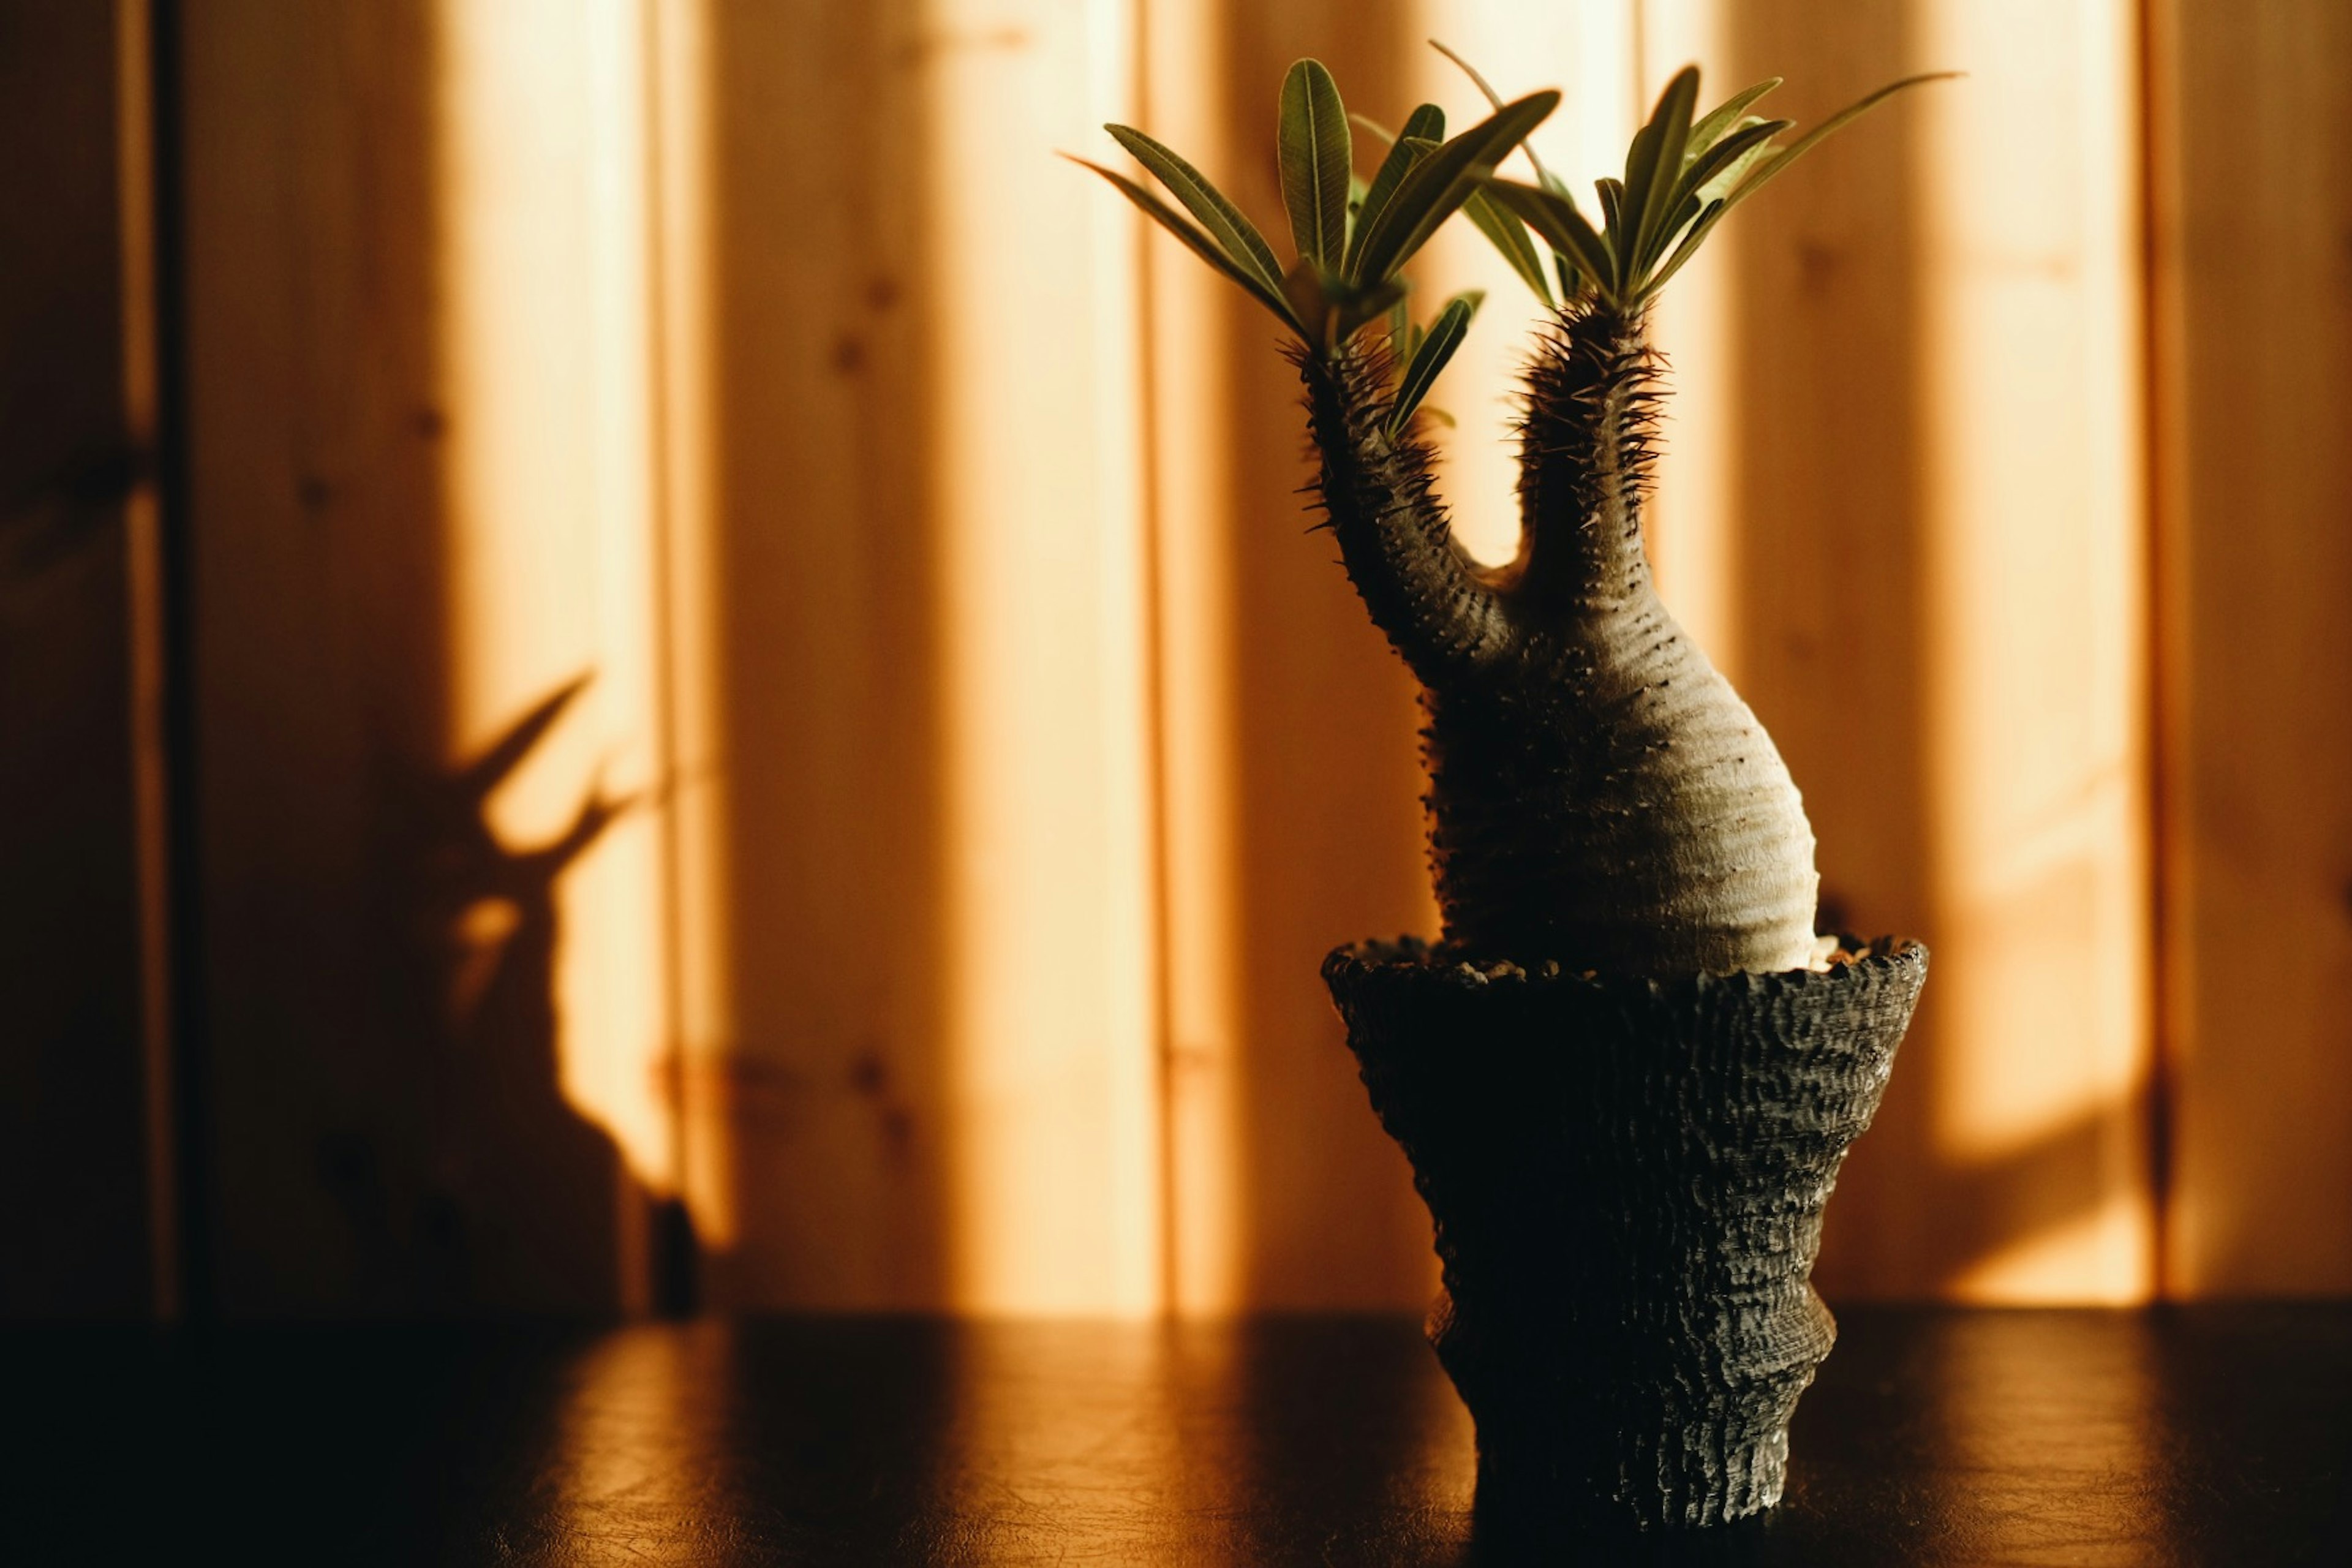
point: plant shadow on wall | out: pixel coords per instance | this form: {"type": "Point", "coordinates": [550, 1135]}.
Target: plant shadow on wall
{"type": "Point", "coordinates": [506, 1197]}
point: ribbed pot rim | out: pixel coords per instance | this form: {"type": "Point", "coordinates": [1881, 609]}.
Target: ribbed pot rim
{"type": "Point", "coordinates": [1411, 965]}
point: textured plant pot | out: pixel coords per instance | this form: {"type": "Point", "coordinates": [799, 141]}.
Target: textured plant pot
{"type": "Point", "coordinates": [1627, 1179]}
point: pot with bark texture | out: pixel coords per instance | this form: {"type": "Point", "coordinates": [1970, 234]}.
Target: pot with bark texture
{"type": "Point", "coordinates": [1627, 1180]}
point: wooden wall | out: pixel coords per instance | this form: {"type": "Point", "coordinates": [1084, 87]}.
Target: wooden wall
{"type": "Point", "coordinates": [2253, 255]}
{"type": "Point", "coordinates": [1938, 464]}
{"type": "Point", "coordinates": [83, 1182]}
{"type": "Point", "coordinates": [766, 718]}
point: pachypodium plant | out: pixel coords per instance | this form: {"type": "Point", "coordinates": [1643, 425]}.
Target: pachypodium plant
{"type": "Point", "coordinates": [1599, 797]}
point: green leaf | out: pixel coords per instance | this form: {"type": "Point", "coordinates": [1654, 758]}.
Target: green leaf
{"type": "Point", "coordinates": [1226, 223]}
{"type": "Point", "coordinates": [1720, 157]}
{"type": "Point", "coordinates": [1711, 214]}
{"type": "Point", "coordinates": [1201, 243]}
{"type": "Point", "coordinates": [1314, 156]}
{"type": "Point", "coordinates": [1673, 225]}
{"type": "Point", "coordinates": [1495, 101]}
{"type": "Point", "coordinates": [1652, 173]}
{"type": "Point", "coordinates": [1768, 165]}
{"type": "Point", "coordinates": [1769, 168]}
{"type": "Point", "coordinates": [1421, 134]}
{"type": "Point", "coordinates": [1612, 220]}
{"type": "Point", "coordinates": [1564, 228]}
{"type": "Point", "coordinates": [1440, 182]}
{"type": "Point", "coordinates": [1445, 336]}
{"type": "Point", "coordinates": [1725, 115]}
{"type": "Point", "coordinates": [1508, 236]}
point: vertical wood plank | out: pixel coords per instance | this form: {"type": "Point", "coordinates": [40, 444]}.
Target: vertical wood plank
{"type": "Point", "coordinates": [1040, 511]}
{"type": "Point", "coordinates": [1937, 478]}
{"type": "Point", "coordinates": [2254, 257]}
{"type": "Point", "coordinates": [546, 333]}
{"type": "Point", "coordinates": [2033, 392]}
{"type": "Point", "coordinates": [819, 1095]}
{"type": "Point", "coordinates": [923, 1065]}
{"type": "Point", "coordinates": [1192, 342]}
{"type": "Point", "coordinates": [74, 1154]}
{"type": "Point", "coordinates": [390, 1128]}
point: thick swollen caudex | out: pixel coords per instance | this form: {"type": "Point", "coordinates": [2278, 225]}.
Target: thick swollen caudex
{"type": "Point", "coordinates": [1599, 796]}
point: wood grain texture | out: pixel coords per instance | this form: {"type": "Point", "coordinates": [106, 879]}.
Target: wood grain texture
{"type": "Point", "coordinates": [389, 1129]}
{"type": "Point", "coordinates": [1937, 482]}
{"type": "Point", "coordinates": [2253, 259]}
{"type": "Point", "coordinates": [925, 1076]}
{"type": "Point", "coordinates": [74, 459]}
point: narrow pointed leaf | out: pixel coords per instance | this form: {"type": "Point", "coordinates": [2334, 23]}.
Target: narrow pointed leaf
{"type": "Point", "coordinates": [1708, 218]}
{"type": "Point", "coordinates": [1641, 166]}
{"type": "Point", "coordinates": [1440, 182]}
{"type": "Point", "coordinates": [1313, 157]}
{"type": "Point", "coordinates": [1421, 135]}
{"type": "Point", "coordinates": [1669, 130]}
{"type": "Point", "coordinates": [1665, 233]}
{"type": "Point", "coordinates": [1495, 101]}
{"type": "Point", "coordinates": [1763, 164]}
{"type": "Point", "coordinates": [1201, 243]}
{"type": "Point", "coordinates": [1509, 236]}
{"type": "Point", "coordinates": [1226, 223]}
{"type": "Point", "coordinates": [1725, 115]}
{"type": "Point", "coordinates": [1612, 217]}
{"type": "Point", "coordinates": [1768, 168]}
{"type": "Point", "coordinates": [1562, 226]}
{"type": "Point", "coordinates": [1445, 336]}
{"type": "Point", "coordinates": [1720, 157]}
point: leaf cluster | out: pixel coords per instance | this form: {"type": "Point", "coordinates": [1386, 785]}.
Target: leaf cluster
{"type": "Point", "coordinates": [1683, 173]}
{"type": "Point", "coordinates": [1352, 236]}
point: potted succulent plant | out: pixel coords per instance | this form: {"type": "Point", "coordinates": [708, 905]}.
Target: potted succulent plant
{"type": "Point", "coordinates": [1628, 1070]}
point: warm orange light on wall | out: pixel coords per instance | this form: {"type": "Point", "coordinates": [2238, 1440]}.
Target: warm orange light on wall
{"type": "Point", "coordinates": [1051, 1019]}
{"type": "Point", "coordinates": [1085, 1114]}
{"type": "Point", "coordinates": [2031, 387]}
{"type": "Point", "coordinates": [549, 517]}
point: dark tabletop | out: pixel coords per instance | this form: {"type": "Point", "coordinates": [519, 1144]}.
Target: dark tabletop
{"type": "Point", "coordinates": [2207, 1435]}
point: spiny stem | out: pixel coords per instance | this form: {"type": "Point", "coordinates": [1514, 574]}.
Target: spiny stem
{"type": "Point", "coordinates": [1439, 609]}
{"type": "Point", "coordinates": [1585, 463]}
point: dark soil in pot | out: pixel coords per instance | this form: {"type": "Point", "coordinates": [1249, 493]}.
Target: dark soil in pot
{"type": "Point", "coordinates": [1627, 1180]}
